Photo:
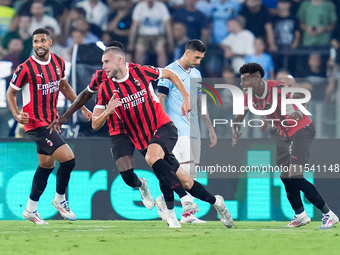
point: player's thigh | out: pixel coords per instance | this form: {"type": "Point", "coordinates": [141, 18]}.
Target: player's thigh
{"type": "Point", "coordinates": [195, 149]}
{"type": "Point", "coordinates": [50, 144]}
{"type": "Point", "coordinates": [162, 144]}
{"type": "Point", "coordinates": [125, 163]}
{"type": "Point", "coordinates": [301, 146]}
{"type": "Point", "coordinates": [182, 150]}
{"type": "Point", "coordinates": [154, 152]}
{"type": "Point", "coordinates": [186, 181]}
{"type": "Point", "coordinates": [122, 150]}
{"type": "Point", "coordinates": [283, 151]}
{"type": "Point", "coordinates": [63, 153]}
{"type": "Point", "coordinates": [46, 161]}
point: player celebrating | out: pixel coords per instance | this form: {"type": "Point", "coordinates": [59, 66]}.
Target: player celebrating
{"type": "Point", "coordinates": [122, 148]}
{"type": "Point", "coordinates": [41, 77]}
{"type": "Point", "coordinates": [150, 129]}
{"type": "Point", "coordinates": [187, 149]}
{"type": "Point", "coordinates": [293, 144]}
{"type": "Point", "coordinates": [142, 116]}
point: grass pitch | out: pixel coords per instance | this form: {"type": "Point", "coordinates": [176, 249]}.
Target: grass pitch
{"type": "Point", "coordinates": [154, 237]}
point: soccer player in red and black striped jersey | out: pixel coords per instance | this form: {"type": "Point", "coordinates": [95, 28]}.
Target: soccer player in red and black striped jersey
{"type": "Point", "coordinates": [129, 95]}
{"type": "Point", "coordinates": [122, 148]}
{"type": "Point", "coordinates": [40, 78]}
{"type": "Point", "coordinates": [295, 135]}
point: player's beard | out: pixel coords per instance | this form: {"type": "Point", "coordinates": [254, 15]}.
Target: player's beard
{"type": "Point", "coordinates": [41, 55]}
{"type": "Point", "coordinates": [113, 73]}
{"type": "Point", "coordinates": [192, 65]}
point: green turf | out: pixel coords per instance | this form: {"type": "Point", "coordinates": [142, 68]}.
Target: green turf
{"type": "Point", "coordinates": [154, 237]}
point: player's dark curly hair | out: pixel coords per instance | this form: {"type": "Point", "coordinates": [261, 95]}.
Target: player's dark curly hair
{"type": "Point", "coordinates": [41, 31]}
{"type": "Point", "coordinates": [251, 68]}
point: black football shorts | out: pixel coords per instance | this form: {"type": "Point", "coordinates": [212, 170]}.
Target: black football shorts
{"type": "Point", "coordinates": [166, 136]}
{"type": "Point", "coordinates": [121, 145]}
{"type": "Point", "coordinates": [46, 143]}
{"type": "Point", "coordinates": [295, 149]}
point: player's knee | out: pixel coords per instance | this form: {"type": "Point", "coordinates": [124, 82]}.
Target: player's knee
{"type": "Point", "coordinates": [151, 158]}
{"type": "Point", "coordinates": [124, 163]}
{"type": "Point", "coordinates": [187, 183]}
{"type": "Point", "coordinates": [284, 175]}
{"type": "Point", "coordinates": [68, 165]}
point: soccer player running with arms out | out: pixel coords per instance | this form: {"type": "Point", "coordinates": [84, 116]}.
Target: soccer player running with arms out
{"type": "Point", "coordinates": [188, 146]}
{"type": "Point", "coordinates": [293, 144]}
{"type": "Point", "coordinates": [122, 148]}
{"type": "Point", "coordinates": [128, 94]}
{"type": "Point", "coordinates": [40, 78]}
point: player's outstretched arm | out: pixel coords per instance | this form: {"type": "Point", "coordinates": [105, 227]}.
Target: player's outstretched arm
{"type": "Point", "coordinates": [236, 128]}
{"type": "Point", "coordinates": [81, 100]}
{"type": "Point", "coordinates": [173, 77]}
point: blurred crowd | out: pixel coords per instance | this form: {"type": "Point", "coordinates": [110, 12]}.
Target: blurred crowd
{"type": "Point", "coordinates": [299, 37]}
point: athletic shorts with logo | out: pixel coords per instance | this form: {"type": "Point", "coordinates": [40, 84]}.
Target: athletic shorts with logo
{"type": "Point", "coordinates": [46, 143]}
{"type": "Point", "coordinates": [295, 149]}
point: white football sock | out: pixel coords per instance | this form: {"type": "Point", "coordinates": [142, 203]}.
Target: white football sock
{"type": "Point", "coordinates": [31, 205]}
{"type": "Point", "coordinates": [59, 198]}
{"type": "Point", "coordinates": [301, 215]}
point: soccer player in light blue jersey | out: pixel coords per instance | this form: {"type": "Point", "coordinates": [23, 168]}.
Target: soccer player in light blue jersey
{"type": "Point", "coordinates": [188, 147]}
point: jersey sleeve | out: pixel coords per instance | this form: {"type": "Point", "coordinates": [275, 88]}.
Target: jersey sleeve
{"type": "Point", "coordinates": [164, 86]}
{"type": "Point", "coordinates": [63, 71]}
{"type": "Point", "coordinates": [151, 73]}
{"type": "Point", "coordinates": [130, 65]}
{"type": "Point", "coordinates": [19, 78]}
{"type": "Point", "coordinates": [101, 97]}
{"type": "Point", "coordinates": [95, 82]}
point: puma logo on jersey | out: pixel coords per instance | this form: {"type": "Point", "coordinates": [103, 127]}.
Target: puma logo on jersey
{"type": "Point", "coordinates": [40, 75]}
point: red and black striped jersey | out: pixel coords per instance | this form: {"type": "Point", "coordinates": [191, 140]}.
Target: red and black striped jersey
{"type": "Point", "coordinates": [40, 83]}
{"type": "Point", "coordinates": [98, 77]}
{"type": "Point", "coordinates": [265, 102]}
{"type": "Point", "coordinates": [141, 112]}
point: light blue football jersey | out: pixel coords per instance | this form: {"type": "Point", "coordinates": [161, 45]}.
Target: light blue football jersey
{"type": "Point", "coordinates": [174, 99]}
